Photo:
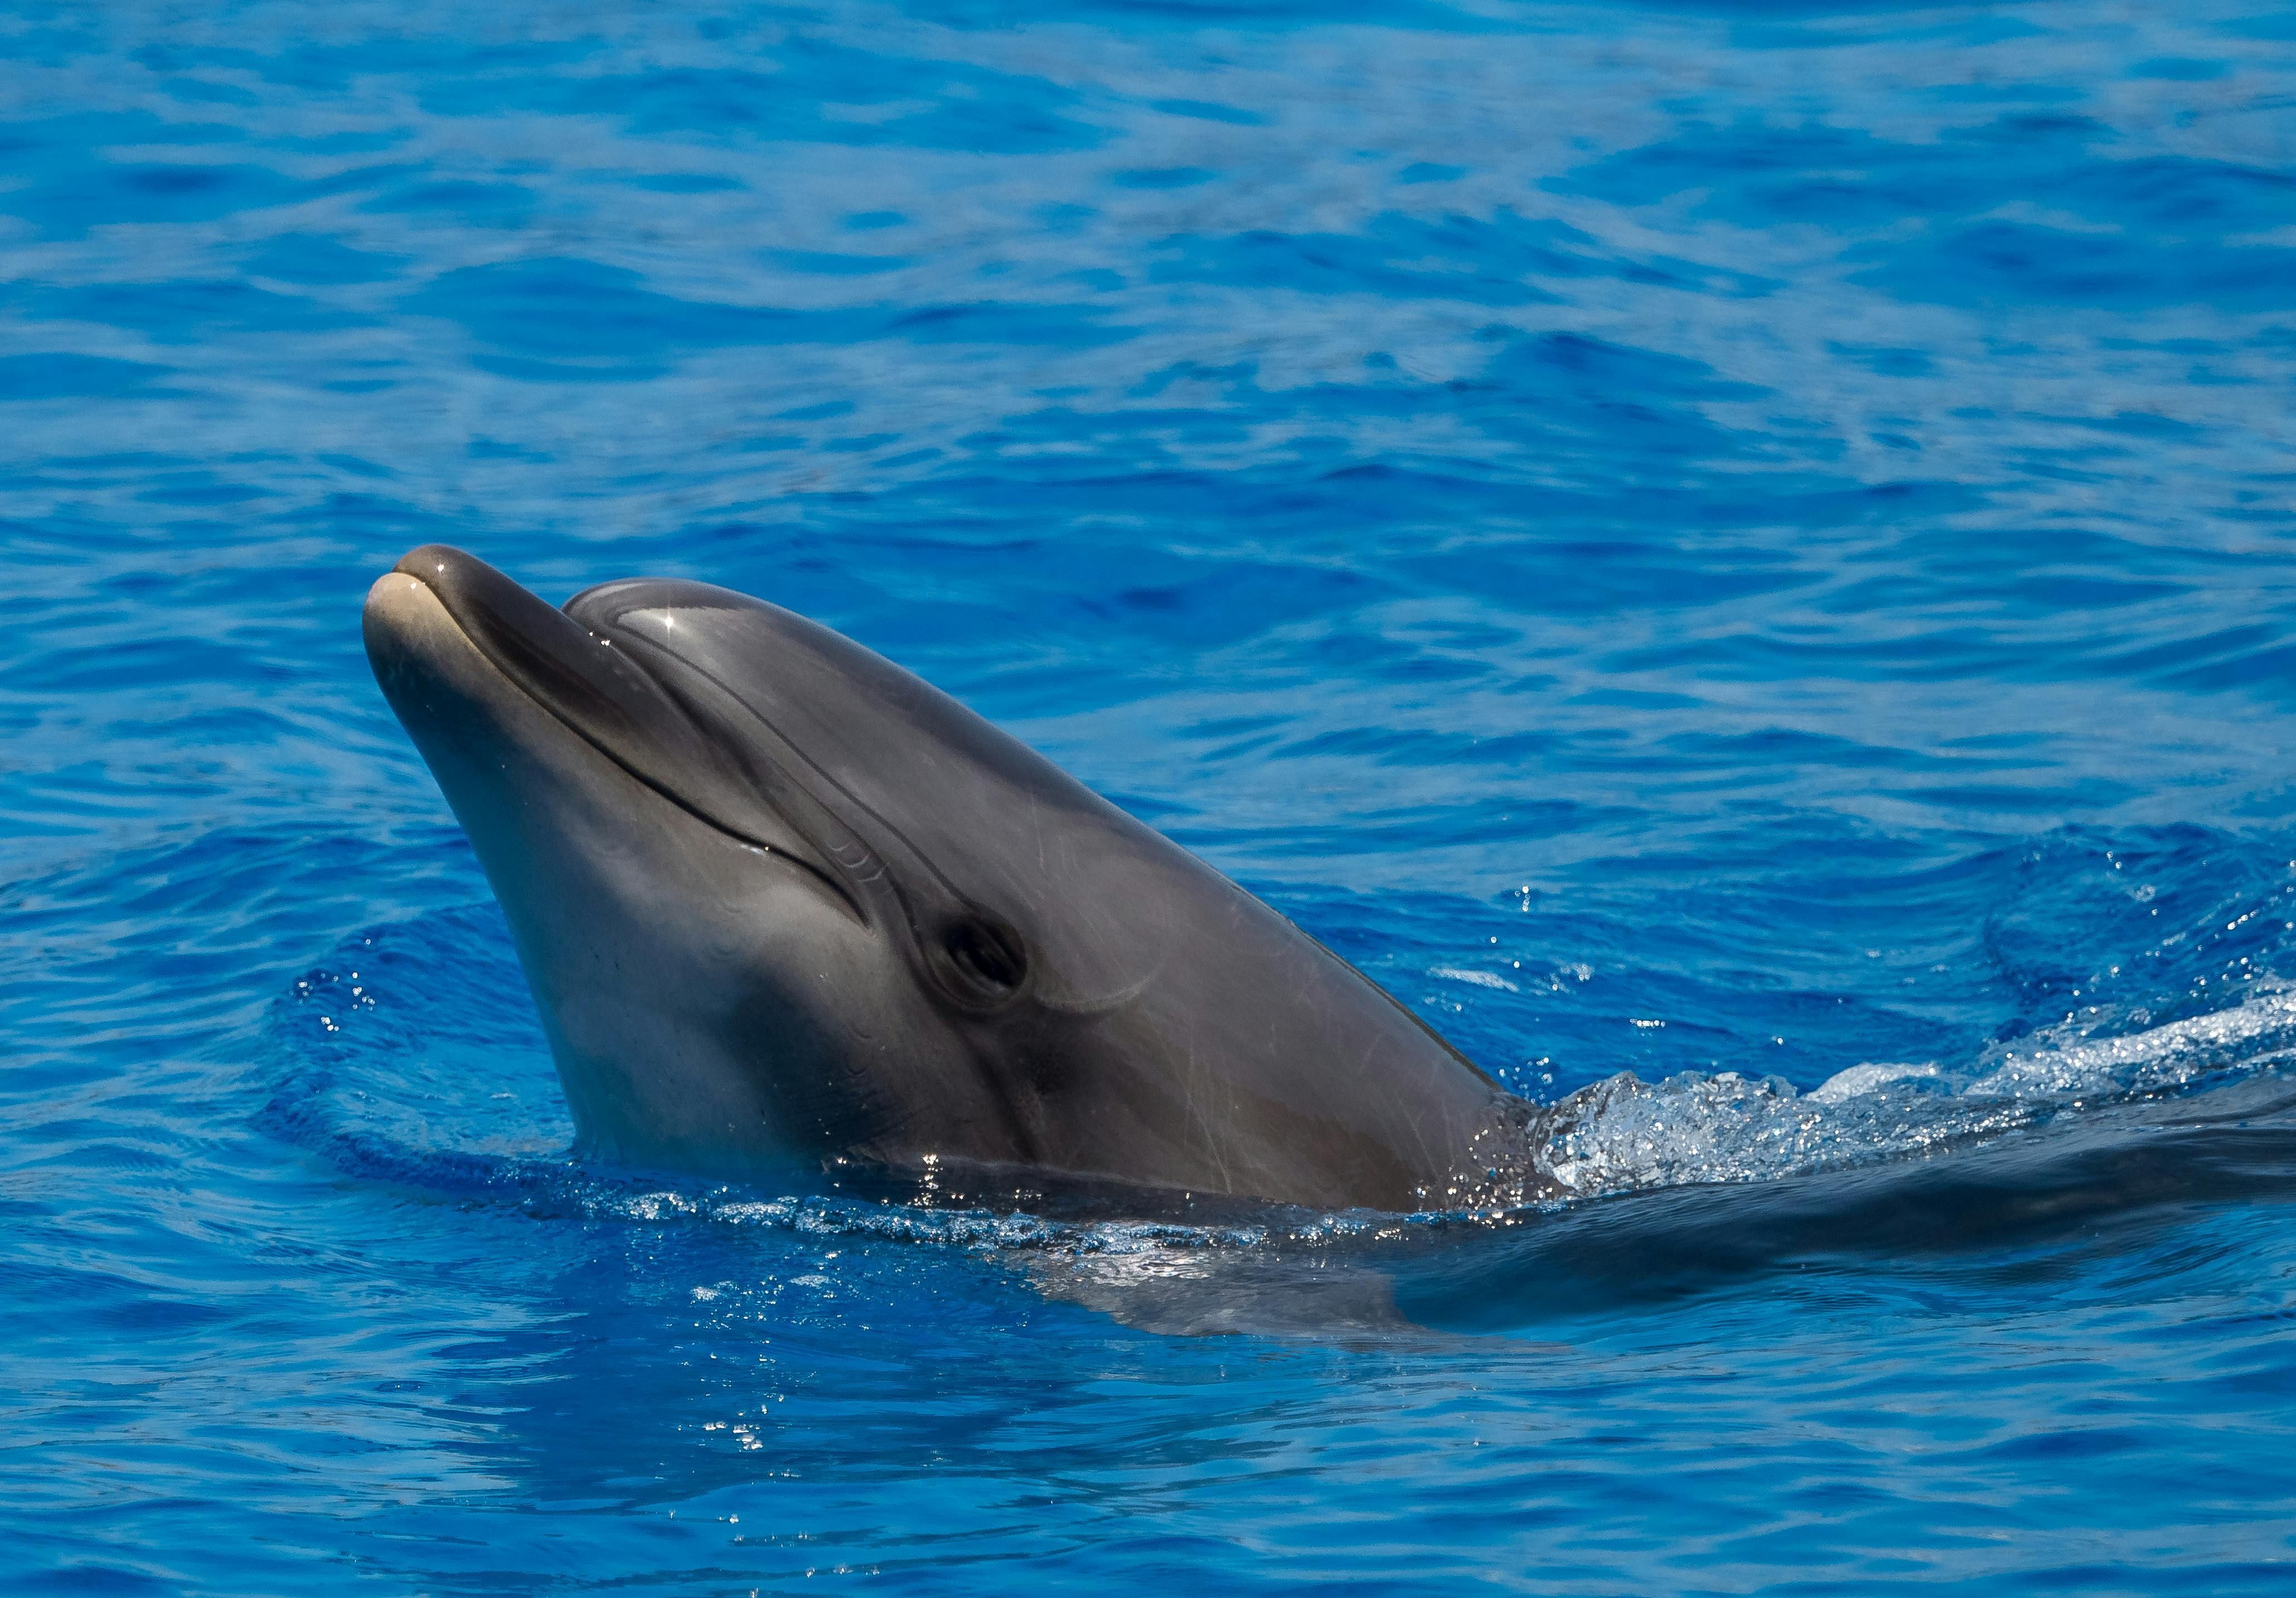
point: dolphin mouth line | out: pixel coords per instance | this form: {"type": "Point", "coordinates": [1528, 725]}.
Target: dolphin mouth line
{"type": "Point", "coordinates": [509, 672]}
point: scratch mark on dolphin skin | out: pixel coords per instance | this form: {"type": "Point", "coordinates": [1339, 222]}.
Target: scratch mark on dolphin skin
{"type": "Point", "coordinates": [1213, 1149]}
{"type": "Point", "coordinates": [1105, 1002]}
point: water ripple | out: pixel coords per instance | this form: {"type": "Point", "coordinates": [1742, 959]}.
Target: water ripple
{"type": "Point", "coordinates": [1735, 558]}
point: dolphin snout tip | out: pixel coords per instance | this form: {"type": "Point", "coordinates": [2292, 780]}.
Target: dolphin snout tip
{"type": "Point", "coordinates": [387, 598]}
{"type": "Point", "coordinates": [416, 592]}
{"type": "Point", "coordinates": [401, 621]}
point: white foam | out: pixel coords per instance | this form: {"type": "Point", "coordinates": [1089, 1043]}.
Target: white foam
{"type": "Point", "coordinates": [1624, 1134]}
{"type": "Point", "coordinates": [2061, 1063]}
{"type": "Point", "coordinates": [1480, 978]}
{"type": "Point", "coordinates": [1865, 1078]}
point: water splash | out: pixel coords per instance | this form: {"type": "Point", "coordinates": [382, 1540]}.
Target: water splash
{"type": "Point", "coordinates": [1624, 1134]}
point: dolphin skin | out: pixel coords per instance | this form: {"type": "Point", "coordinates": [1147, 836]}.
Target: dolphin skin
{"type": "Point", "coordinates": [785, 905]}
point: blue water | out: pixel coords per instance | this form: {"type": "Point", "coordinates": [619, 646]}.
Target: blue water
{"type": "Point", "coordinates": [1745, 546]}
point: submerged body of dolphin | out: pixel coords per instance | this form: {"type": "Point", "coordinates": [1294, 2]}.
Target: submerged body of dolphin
{"type": "Point", "coordinates": [781, 901]}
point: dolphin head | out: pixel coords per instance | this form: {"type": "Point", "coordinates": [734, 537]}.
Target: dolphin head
{"type": "Point", "coordinates": [781, 902]}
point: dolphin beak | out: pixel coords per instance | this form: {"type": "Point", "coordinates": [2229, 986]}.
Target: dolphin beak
{"type": "Point", "coordinates": [571, 670]}
{"type": "Point", "coordinates": [426, 665]}
{"type": "Point", "coordinates": [450, 636]}
{"type": "Point", "coordinates": [452, 640]}
{"type": "Point", "coordinates": [598, 692]}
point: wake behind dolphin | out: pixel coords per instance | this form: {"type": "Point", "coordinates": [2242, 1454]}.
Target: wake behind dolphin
{"type": "Point", "coordinates": [781, 902]}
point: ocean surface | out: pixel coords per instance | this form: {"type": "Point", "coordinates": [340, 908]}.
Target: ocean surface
{"type": "Point", "coordinates": [1749, 547]}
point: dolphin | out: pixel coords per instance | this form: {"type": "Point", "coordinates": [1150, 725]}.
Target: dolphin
{"type": "Point", "coordinates": [784, 906]}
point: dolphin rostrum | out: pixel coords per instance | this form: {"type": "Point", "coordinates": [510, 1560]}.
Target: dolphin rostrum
{"type": "Point", "coordinates": [782, 903]}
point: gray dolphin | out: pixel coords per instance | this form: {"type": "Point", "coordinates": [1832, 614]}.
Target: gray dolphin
{"type": "Point", "coordinates": [782, 902]}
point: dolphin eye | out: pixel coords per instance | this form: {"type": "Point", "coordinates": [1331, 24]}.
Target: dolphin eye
{"type": "Point", "coordinates": [982, 961]}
